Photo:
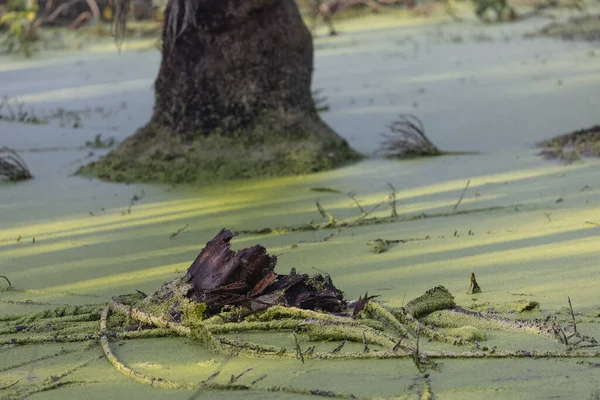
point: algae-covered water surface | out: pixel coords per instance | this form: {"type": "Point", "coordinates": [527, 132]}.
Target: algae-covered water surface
{"type": "Point", "coordinates": [526, 227]}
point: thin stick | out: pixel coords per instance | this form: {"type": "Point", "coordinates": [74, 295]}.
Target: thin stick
{"type": "Point", "coordinates": [7, 281]}
{"type": "Point", "coordinates": [462, 195]}
{"type": "Point", "coordinates": [179, 231]}
{"type": "Point", "coordinates": [416, 357]}
{"type": "Point", "coordinates": [366, 343]}
{"type": "Point", "coordinates": [356, 221]}
{"type": "Point", "coordinates": [338, 348]}
{"type": "Point", "coordinates": [298, 349]}
{"type": "Point", "coordinates": [326, 214]}
{"type": "Point", "coordinates": [260, 378]}
{"type": "Point", "coordinates": [198, 391]}
{"type": "Point", "coordinates": [236, 377]}
{"type": "Point", "coordinates": [353, 197]}
{"type": "Point", "coordinates": [10, 385]}
{"type": "Point", "coordinates": [572, 314]}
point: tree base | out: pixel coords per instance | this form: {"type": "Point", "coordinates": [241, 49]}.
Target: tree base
{"type": "Point", "coordinates": [155, 154]}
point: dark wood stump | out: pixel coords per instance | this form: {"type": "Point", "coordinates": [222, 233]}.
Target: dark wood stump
{"type": "Point", "coordinates": [221, 278]}
{"type": "Point", "coordinates": [233, 99]}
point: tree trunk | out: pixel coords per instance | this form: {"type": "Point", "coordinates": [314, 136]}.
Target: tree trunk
{"type": "Point", "coordinates": [233, 99]}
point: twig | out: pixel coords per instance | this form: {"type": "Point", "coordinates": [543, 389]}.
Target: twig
{"type": "Point", "coordinates": [352, 195]}
{"type": "Point", "coordinates": [382, 245]}
{"type": "Point", "coordinates": [356, 221]}
{"type": "Point", "coordinates": [10, 286]}
{"type": "Point", "coordinates": [399, 343]}
{"type": "Point", "coordinates": [234, 378]}
{"type": "Point", "coordinates": [559, 332]}
{"type": "Point", "coordinates": [298, 349]}
{"type": "Point", "coordinates": [592, 223]}
{"type": "Point", "coordinates": [416, 356]}
{"type": "Point", "coordinates": [572, 315]}
{"type": "Point", "coordinates": [339, 348]}
{"type": "Point", "coordinates": [10, 385]}
{"type": "Point", "coordinates": [462, 195]}
{"type": "Point", "coordinates": [178, 231]}
{"type": "Point", "coordinates": [326, 214]}
{"type": "Point", "coordinates": [260, 378]}
{"type": "Point", "coordinates": [365, 343]}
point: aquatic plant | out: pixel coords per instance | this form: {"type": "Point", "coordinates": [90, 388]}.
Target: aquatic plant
{"type": "Point", "coordinates": [12, 166]}
{"type": "Point", "coordinates": [14, 111]}
{"type": "Point", "coordinates": [407, 139]}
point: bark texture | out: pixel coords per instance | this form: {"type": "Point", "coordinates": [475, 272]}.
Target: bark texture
{"type": "Point", "coordinates": [233, 99]}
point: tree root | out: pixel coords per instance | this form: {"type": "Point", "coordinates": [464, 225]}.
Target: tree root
{"type": "Point", "coordinates": [204, 386]}
{"type": "Point", "coordinates": [317, 331]}
{"type": "Point", "coordinates": [394, 333]}
{"type": "Point", "coordinates": [53, 338]}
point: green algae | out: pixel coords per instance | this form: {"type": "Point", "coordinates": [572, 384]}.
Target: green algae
{"type": "Point", "coordinates": [193, 313]}
{"type": "Point", "coordinates": [459, 319]}
{"type": "Point", "coordinates": [437, 298]}
{"type": "Point", "coordinates": [518, 306]}
{"type": "Point", "coordinates": [329, 331]}
{"type": "Point", "coordinates": [468, 333]}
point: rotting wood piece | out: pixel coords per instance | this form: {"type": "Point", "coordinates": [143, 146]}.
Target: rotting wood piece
{"type": "Point", "coordinates": [221, 278]}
